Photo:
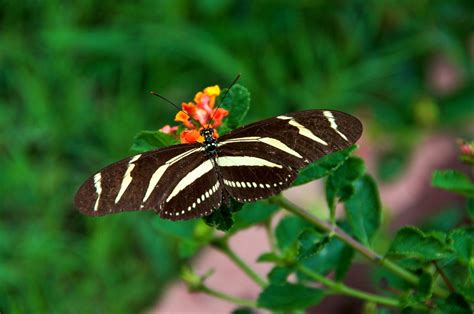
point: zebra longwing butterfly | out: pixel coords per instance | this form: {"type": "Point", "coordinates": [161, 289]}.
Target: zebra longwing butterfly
{"type": "Point", "coordinates": [250, 163]}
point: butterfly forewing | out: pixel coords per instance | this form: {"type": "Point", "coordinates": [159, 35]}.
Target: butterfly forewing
{"type": "Point", "coordinates": [311, 133]}
{"type": "Point", "coordinates": [279, 147]}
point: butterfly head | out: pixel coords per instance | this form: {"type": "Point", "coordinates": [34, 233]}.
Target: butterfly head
{"type": "Point", "coordinates": [207, 133]}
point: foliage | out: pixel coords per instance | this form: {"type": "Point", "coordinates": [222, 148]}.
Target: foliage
{"type": "Point", "coordinates": [74, 84]}
{"type": "Point", "coordinates": [312, 249]}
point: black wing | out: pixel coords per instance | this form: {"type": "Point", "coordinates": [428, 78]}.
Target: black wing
{"type": "Point", "coordinates": [261, 159]}
{"type": "Point", "coordinates": [179, 182]}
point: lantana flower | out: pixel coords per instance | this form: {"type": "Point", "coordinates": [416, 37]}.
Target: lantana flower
{"type": "Point", "coordinates": [198, 115]}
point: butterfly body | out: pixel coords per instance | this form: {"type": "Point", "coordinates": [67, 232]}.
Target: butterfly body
{"type": "Point", "coordinates": [210, 143]}
{"type": "Point", "coordinates": [191, 180]}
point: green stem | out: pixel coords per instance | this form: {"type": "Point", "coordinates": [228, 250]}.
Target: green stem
{"type": "Point", "coordinates": [222, 245]}
{"type": "Point", "coordinates": [270, 235]}
{"type": "Point", "coordinates": [346, 238]}
{"type": "Point", "coordinates": [226, 297]}
{"type": "Point", "coordinates": [340, 288]}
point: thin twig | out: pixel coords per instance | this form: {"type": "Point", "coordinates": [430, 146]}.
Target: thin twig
{"type": "Point", "coordinates": [346, 238]}
{"type": "Point", "coordinates": [445, 278]}
{"type": "Point", "coordinates": [270, 235]}
{"type": "Point", "coordinates": [340, 288]}
{"type": "Point", "coordinates": [222, 245]}
{"type": "Point", "coordinates": [228, 298]}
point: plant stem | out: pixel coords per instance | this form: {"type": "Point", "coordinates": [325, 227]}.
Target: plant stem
{"type": "Point", "coordinates": [226, 297]}
{"type": "Point", "coordinates": [339, 287]}
{"type": "Point", "coordinates": [445, 278]}
{"type": "Point", "coordinates": [270, 235]}
{"type": "Point", "coordinates": [222, 245]}
{"type": "Point", "coordinates": [346, 238]}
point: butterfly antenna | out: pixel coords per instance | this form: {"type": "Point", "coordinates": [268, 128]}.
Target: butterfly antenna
{"type": "Point", "coordinates": [172, 104]}
{"type": "Point", "coordinates": [222, 101]}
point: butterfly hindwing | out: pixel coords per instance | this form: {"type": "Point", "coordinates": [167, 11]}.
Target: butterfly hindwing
{"type": "Point", "coordinates": [251, 183]}
{"type": "Point", "coordinates": [196, 194]}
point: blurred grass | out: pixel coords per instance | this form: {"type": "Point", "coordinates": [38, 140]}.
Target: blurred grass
{"type": "Point", "coordinates": [74, 82]}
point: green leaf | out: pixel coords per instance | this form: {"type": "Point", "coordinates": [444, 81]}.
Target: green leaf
{"type": "Point", "coordinates": [288, 231]}
{"type": "Point", "coordinates": [411, 242]}
{"type": "Point", "coordinates": [363, 209]}
{"type": "Point", "coordinates": [188, 248]}
{"type": "Point", "coordinates": [289, 297]}
{"type": "Point", "coordinates": [470, 207]}
{"type": "Point", "coordinates": [323, 166]}
{"type": "Point", "coordinates": [278, 274]}
{"type": "Point", "coordinates": [329, 258]}
{"type": "Point", "coordinates": [460, 275]}
{"type": "Point", "coordinates": [340, 182]}
{"type": "Point", "coordinates": [149, 140]}
{"type": "Point", "coordinates": [454, 181]}
{"type": "Point", "coordinates": [237, 103]}
{"type": "Point", "coordinates": [221, 218]}
{"type": "Point", "coordinates": [344, 262]}
{"type": "Point", "coordinates": [454, 304]}
{"type": "Point", "coordinates": [244, 310]}
{"type": "Point", "coordinates": [424, 287]}
{"type": "Point", "coordinates": [269, 257]}
{"type": "Point", "coordinates": [446, 220]}
{"type": "Point", "coordinates": [310, 242]}
{"type": "Point", "coordinates": [463, 244]}
{"type": "Point", "coordinates": [253, 213]}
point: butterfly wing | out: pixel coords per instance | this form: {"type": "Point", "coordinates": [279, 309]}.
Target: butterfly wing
{"type": "Point", "coordinates": [263, 158]}
{"type": "Point", "coordinates": [165, 180]}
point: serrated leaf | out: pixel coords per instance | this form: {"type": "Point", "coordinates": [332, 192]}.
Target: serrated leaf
{"type": "Point", "coordinates": [454, 304]}
{"type": "Point", "coordinates": [344, 262]}
{"type": "Point", "coordinates": [288, 230]}
{"type": "Point", "coordinates": [460, 275]}
{"type": "Point", "coordinates": [453, 181]}
{"type": "Point", "coordinates": [310, 242]}
{"type": "Point", "coordinates": [253, 213]}
{"type": "Point", "coordinates": [323, 166]}
{"type": "Point", "coordinates": [411, 242]}
{"type": "Point", "coordinates": [340, 182]}
{"type": "Point", "coordinates": [222, 219]}
{"type": "Point", "coordinates": [328, 258]}
{"type": "Point", "coordinates": [149, 140]}
{"type": "Point", "coordinates": [463, 244]}
{"type": "Point", "coordinates": [278, 274]}
{"type": "Point", "coordinates": [363, 209]}
{"type": "Point", "coordinates": [289, 297]}
{"type": "Point", "coordinates": [237, 103]}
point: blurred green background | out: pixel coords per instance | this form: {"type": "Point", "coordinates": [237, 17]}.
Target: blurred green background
{"type": "Point", "coordinates": [74, 82]}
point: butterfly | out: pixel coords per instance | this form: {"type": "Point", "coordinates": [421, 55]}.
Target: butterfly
{"type": "Point", "coordinates": [250, 163]}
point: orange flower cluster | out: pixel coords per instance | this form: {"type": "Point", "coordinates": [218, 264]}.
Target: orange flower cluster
{"type": "Point", "coordinates": [197, 115]}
